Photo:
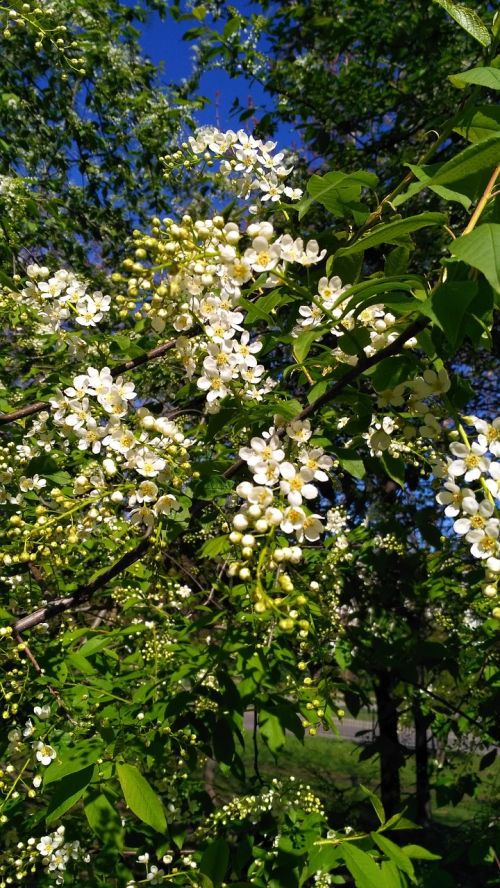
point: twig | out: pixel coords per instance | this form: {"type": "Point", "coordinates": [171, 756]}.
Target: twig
{"type": "Point", "coordinates": [352, 374]}
{"type": "Point", "coordinates": [482, 202]}
{"type": "Point", "coordinates": [25, 649]}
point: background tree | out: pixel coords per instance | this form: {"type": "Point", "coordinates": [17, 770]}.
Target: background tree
{"type": "Point", "coordinates": [84, 119]}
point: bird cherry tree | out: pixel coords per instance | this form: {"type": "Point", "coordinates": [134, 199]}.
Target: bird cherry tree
{"type": "Point", "coordinates": [179, 449]}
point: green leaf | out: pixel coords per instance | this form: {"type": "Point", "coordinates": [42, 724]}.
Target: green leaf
{"type": "Point", "coordinates": [362, 867]}
{"type": "Point", "coordinates": [200, 12]}
{"type": "Point", "coordinates": [481, 249]}
{"type": "Point", "coordinates": [352, 464]}
{"type": "Point", "coordinates": [418, 853]}
{"type": "Point", "coordinates": [489, 77]}
{"type": "Point", "coordinates": [7, 281]}
{"type": "Point", "coordinates": [393, 232]}
{"type": "Point", "coordinates": [481, 156]}
{"type": "Point", "coordinates": [468, 20]}
{"type": "Point", "coordinates": [377, 804]}
{"type": "Point", "coordinates": [425, 175]}
{"type": "Point", "coordinates": [392, 876]}
{"type": "Point", "coordinates": [214, 547]}
{"type": "Point", "coordinates": [488, 759]}
{"type": "Point", "coordinates": [397, 261]}
{"type": "Point", "coordinates": [395, 853]}
{"type": "Point", "coordinates": [391, 371]}
{"type": "Point", "coordinates": [230, 27]}
{"type": "Point", "coordinates": [271, 731]}
{"type": "Point", "coordinates": [397, 821]}
{"type": "Point", "coordinates": [394, 467]}
{"type": "Point", "coordinates": [348, 268]}
{"type": "Point", "coordinates": [140, 797]}
{"type": "Point", "coordinates": [104, 819]}
{"type": "Point", "coordinates": [210, 488]}
{"type": "Point", "coordinates": [479, 123]}
{"type": "Point", "coordinates": [339, 192]}
{"type": "Point", "coordinates": [447, 306]}
{"type": "Point", "coordinates": [304, 341]}
{"type": "Point", "coordinates": [73, 759]}
{"type": "Point", "coordinates": [215, 860]}
{"type": "Point", "coordinates": [68, 792]}
{"type": "Point", "coordinates": [262, 308]}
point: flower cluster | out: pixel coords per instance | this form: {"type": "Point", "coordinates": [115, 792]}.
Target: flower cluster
{"type": "Point", "coordinates": [58, 300]}
{"type": "Point", "coordinates": [284, 468]}
{"type": "Point", "coordinates": [247, 164]}
{"type": "Point", "coordinates": [472, 489]}
{"type": "Point", "coordinates": [93, 410]}
{"type": "Point", "coordinates": [51, 851]}
{"type": "Point", "coordinates": [368, 330]}
{"type": "Point", "coordinates": [280, 797]}
{"type": "Point", "coordinates": [282, 488]}
{"type": "Point", "coordinates": [201, 294]}
{"type": "Point", "coordinates": [419, 419]}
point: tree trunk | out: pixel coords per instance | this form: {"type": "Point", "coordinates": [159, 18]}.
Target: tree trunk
{"type": "Point", "coordinates": [390, 752]}
{"type": "Point", "coordinates": [423, 797]}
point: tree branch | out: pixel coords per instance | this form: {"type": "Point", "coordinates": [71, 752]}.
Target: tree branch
{"type": "Point", "coordinates": [83, 593]}
{"type": "Point", "coordinates": [38, 406]}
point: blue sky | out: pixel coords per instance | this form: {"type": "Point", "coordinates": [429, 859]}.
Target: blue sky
{"type": "Point", "coordinates": [162, 42]}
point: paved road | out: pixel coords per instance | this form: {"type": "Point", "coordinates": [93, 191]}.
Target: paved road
{"type": "Point", "coordinates": [361, 731]}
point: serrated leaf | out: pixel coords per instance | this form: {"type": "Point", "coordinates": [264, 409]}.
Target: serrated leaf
{"type": "Point", "coordinates": [391, 371]}
{"type": "Point", "coordinates": [418, 853]}
{"type": "Point", "coordinates": [481, 249]}
{"type": "Point", "coordinates": [362, 867]}
{"type": "Point", "coordinates": [68, 792]}
{"type": "Point", "coordinates": [397, 821]}
{"type": "Point", "coordinates": [353, 465]}
{"type": "Point", "coordinates": [103, 819]}
{"type": "Point", "coordinates": [395, 853]}
{"type": "Point", "coordinates": [304, 341]}
{"type": "Point", "coordinates": [140, 797]}
{"type": "Point", "coordinates": [214, 547]}
{"type": "Point", "coordinates": [339, 192]}
{"type": "Point", "coordinates": [481, 156]}
{"type": "Point", "coordinates": [397, 261]}
{"type": "Point", "coordinates": [376, 803]}
{"type": "Point", "coordinates": [271, 731]}
{"type": "Point", "coordinates": [70, 760]}
{"type": "Point", "coordinates": [468, 19]}
{"type": "Point", "coordinates": [479, 123]}
{"type": "Point", "coordinates": [448, 305]}
{"type": "Point", "coordinates": [425, 175]}
{"type": "Point", "coordinates": [488, 77]}
{"type": "Point", "coordinates": [393, 232]}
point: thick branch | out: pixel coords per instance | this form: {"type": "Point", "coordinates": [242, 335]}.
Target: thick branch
{"type": "Point", "coordinates": [83, 593]}
{"type": "Point", "coordinates": [38, 406]}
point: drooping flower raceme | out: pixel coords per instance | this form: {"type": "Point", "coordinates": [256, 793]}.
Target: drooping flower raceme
{"type": "Point", "coordinates": [474, 506]}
